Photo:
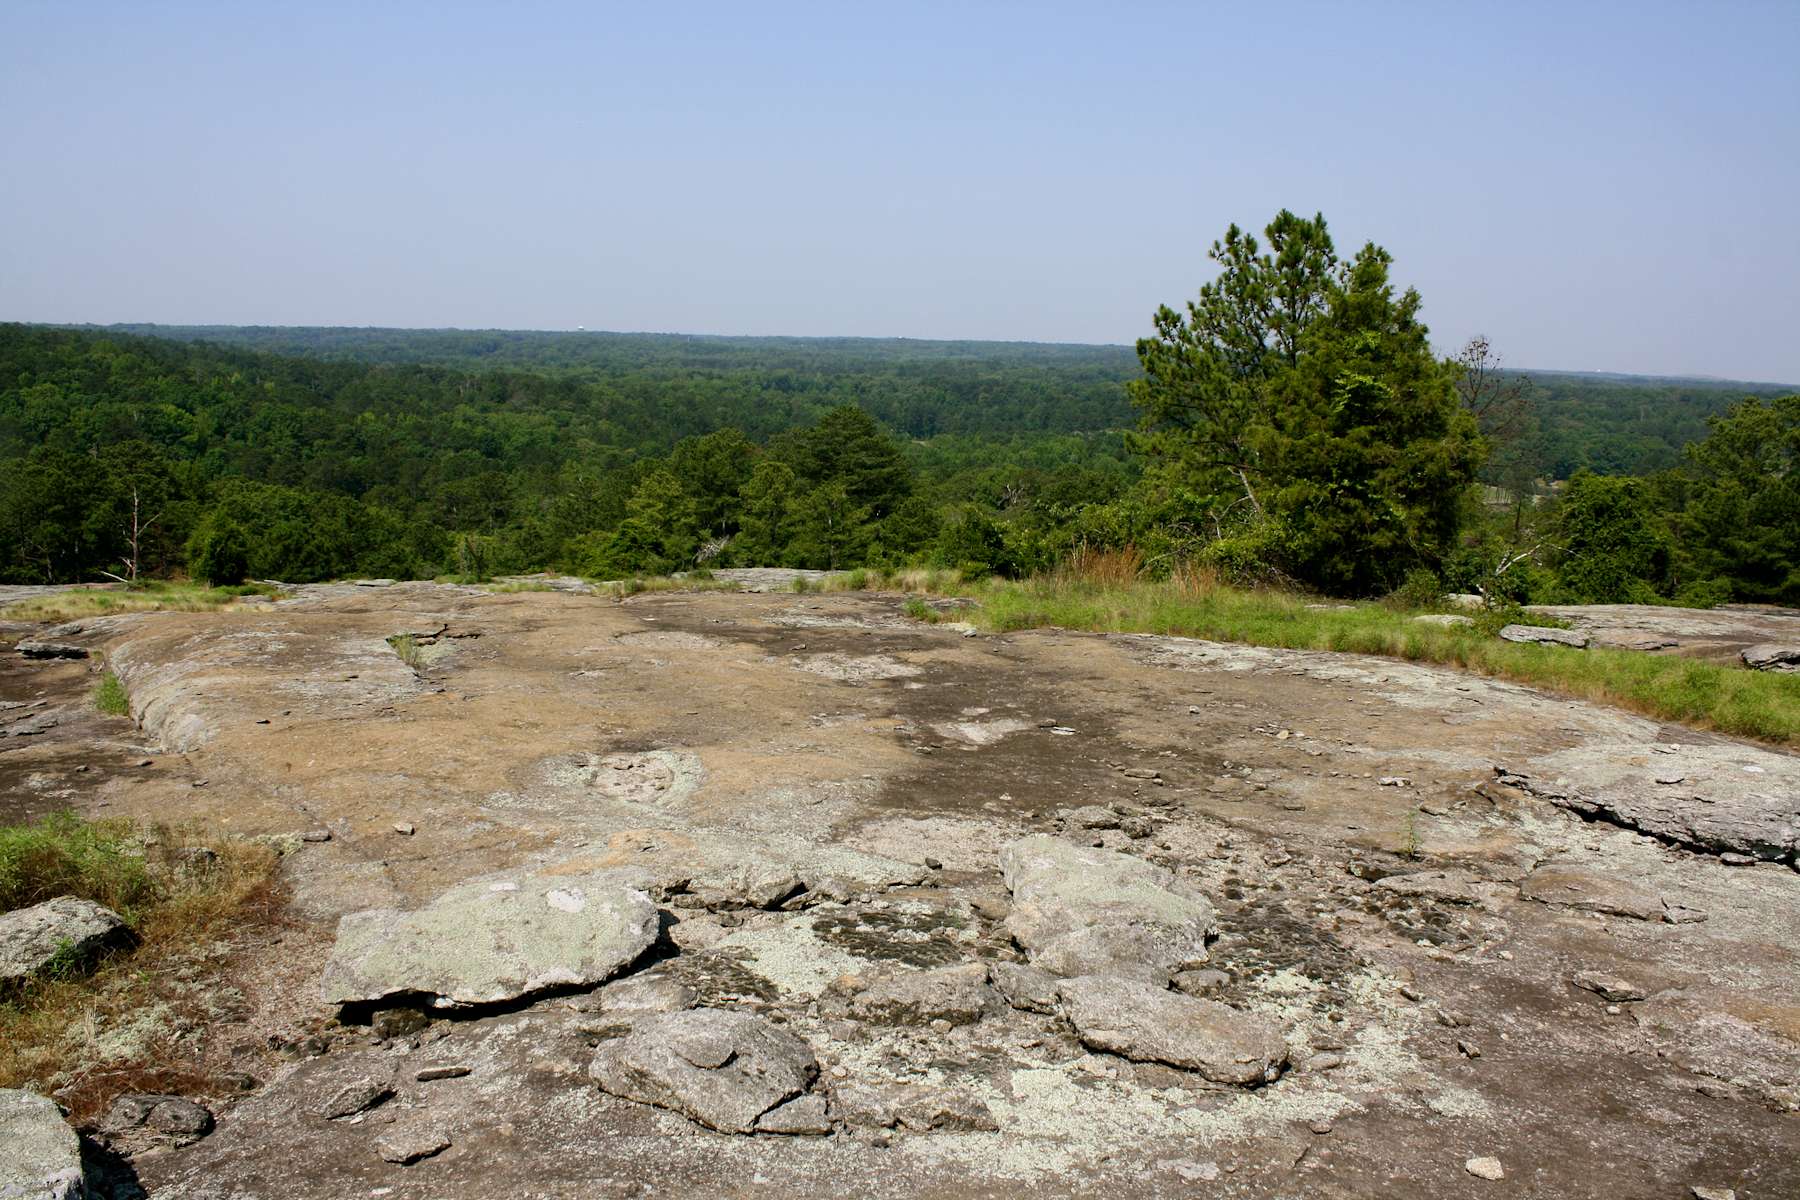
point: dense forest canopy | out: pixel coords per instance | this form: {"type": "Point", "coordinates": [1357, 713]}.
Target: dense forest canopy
{"type": "Point", "coordinates": [1294, 423]}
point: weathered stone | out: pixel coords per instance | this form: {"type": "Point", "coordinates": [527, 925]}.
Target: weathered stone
{"type": "Point", "coordinates": [1733, 798]}
{"type": "Point", "coordinates": [40, 1155]}
{"type": "Point", "coordinates": [411, 1139]}
{"type": "Point", "coordinates": [798, 1117]}
{"type": "Point", "coordinates": [863, 1105]}
{"type": "Point", "coordinates": [359, 1095]}
{"type": "Point", "coordinates": [1445, 619]}
{"type": "Point", "coordinates": [1485, 1168]}
{"type": "Point", "coordinates": [1608, 987]}
{"type": "Point", "coordinates": [1765, 657]}
{"type": "Point", "coordinates": [64, 932]}
{"type": "Point", "coordinates": [1543, 635]}
{"type": "Point", "coordinates": [722, 1069]}
{"type": "Point", "coordinates": [1024, 987]}
{"type": "Point", "coordinates": [1452, 886]}
{"type": "Point", "coordinates": [1570, 887]}
{"type": "Point", "coordinates": [491, 940]}
{"type": "Point", "coordinates": [1143, 1022]}
{"type": "Point", "coordinates": [957, 994]}
{"type": "Point", "coordinates": [767, 888]}
{"type": "Point", "coordinates": [446, 1071]}
{"type": "Point", "coordinates": [1203, 982]}
{"type": "Point", "coordinates": [39, 649]}
{"type": "Point", "coordinates": [1092, 816]}
{"type": "Point", "coordinates": [926, 1108]}
{"type": "Point", "coordinates": [649, 993]}
{"type": "Point", "coordinates": [135, 1123]}
{"type": "Point", "coordinates": [1079, 911]}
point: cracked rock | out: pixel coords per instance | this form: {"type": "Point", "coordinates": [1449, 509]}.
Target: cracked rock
{"type": "Point", "coordinates": [40, 1155]}
{"type": "Point", "coordinates": [1145, 1023]}
{"type": "Point", "coordinates": [66, 930]}
{"type": "Point", "coordinates": [957, 994]}
{"type": "Point", "coordinates": [493, 939]}
{"type": "Point", "coordinates": [1081, 911]}
{"type": "Point", "coordinates": [722, 1069]}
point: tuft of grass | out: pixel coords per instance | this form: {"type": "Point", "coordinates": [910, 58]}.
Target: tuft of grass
{"type": "Point", "coordinates": [63, 855]}
{"type": "Point", "coordinates": [801, 585]}
{"type": "Point", "coordinates": [1754, 704]}
{"type": "Point", "coordinates": [918, 610]}
{"type": "Point", "coordinates": [110, 697]}
{"type": "Point", "coordinates": [90, 1035]}
{"type": "Point", "coordinates": [410, 652]}
{"type": "Point", "coordinates": [157, 596]}
{"type": "Point", "coordinates": [619, 589]}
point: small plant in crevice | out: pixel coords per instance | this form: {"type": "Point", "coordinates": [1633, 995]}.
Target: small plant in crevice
{"type": "Point", "coordinates": [110, 697]}
{"type": "Point", "coordinates": [407, 647]}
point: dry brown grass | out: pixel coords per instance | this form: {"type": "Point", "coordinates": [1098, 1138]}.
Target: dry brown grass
{"type": "Point", "coordinates": [1095, 567]}
{"type": "Point", "coordinates": [113, 599]}
{"type": "Point", "coordinates": [129, 1025]}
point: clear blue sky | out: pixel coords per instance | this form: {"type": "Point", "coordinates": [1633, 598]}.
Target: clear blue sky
{"type": "Point", "coordinates": [1593, 186]}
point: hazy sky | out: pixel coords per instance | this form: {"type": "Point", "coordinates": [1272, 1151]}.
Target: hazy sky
{"type": "Point", "coordinates": [1593, 186]}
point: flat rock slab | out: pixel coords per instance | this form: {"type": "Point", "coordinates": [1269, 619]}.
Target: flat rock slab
{"type": "Point", "coordinates": [1765, 657]}
{"type": "Point", "coordinates": [1571, 887]}
{"type": "Point", "coordinates": [1725, 797]}
{"type": "Point", "coordinates": [722, 1069]}
{"type": "Point", "coordinates": [1149, 1024]}
{"type": "Point", "coordinates": [492, 940]}
{"type": "Point", "coordinates": [1451, 886]}
{"type": "Point", "coordinates": [40, 1156]}
{"type": "Point", "coordinates": [1543, 635]}
{"type": "Point", "coordinates": [957, 994]}
{"type": "Point", "coordinates": [1083, 911]}
{"type": "Point", "coordinates": [66, 929]}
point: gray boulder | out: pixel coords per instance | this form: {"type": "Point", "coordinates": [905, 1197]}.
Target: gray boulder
{"type": "Point", "coordinates": [493, 939]}
{"type": "Point", "coordinates": [1543, 635]}
{"type": "Point", "coordinates": [1146, 1023]}
{"type": "Point", "coordinates": [722, 1069]}
{"type": "Point", "coordinates": [64, 930]}
{"type": "Point", "coordinates": [1025, 987]}
{"type": "Point", "coordinates": [40, 1156]}
{"type": "Point", "coordinates": [1770, 657]}
{"type": "Point", "coordinates": [1082, 911]}
{"type": "Point", "coordinates": [957, 994]}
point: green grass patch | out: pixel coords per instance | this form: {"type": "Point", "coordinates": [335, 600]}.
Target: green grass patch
{"type": "Point", "coordinates": [110, 697]}
{"type": "Point", "coordinates": [152, 596]}
{"type": "Point", "coordinates": [63, 855]}
{"type": "Point", "coordinates": [1751, 704]}
{"type": "Point", "coordinates": [90, 1031]}
{"type": "Point", "coordinates": [407, 647]}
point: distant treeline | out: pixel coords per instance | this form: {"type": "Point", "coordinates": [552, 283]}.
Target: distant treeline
{"type": "Point", "coordinates": [1608, 424]}
{"type": "Point", "coordinates": [304, 454]}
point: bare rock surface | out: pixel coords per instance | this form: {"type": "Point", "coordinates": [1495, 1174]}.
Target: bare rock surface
{"type": "Point", "coordinates": [1764, 657]}
{"type": "Point", "coordinates": [67, 929]}
{"type": "Point", "coordinates": [722, 1069]}
{"type": "Point", "coordinates": [1711, 795]}
{"type": "Point", "coordinates": [1143, 1022]}
{"type": "Point", "coordinates": [492, 940]}
{"type": "Point", "coordinates": [40, 1155]}
{"type": "Point", "coordinates": [1545, 635]}
{"type": "Point", "coordinates": [811, 838]}
{"type": "Point", "coordinates": [1083, 911]}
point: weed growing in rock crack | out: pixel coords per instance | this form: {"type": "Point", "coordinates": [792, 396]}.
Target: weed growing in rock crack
{"type": "Point", "coordinates": [407, 647]}
{"type": "Point", "coordinates": [110, 697]}
{"type": "Point", "coordinates": [92, 1034]}
{"type": "Point", "coordinates": [1409, 835]}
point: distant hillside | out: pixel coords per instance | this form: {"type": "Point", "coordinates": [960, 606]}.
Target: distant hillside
{"type": "Point", "coordinates": [1606, 422]}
